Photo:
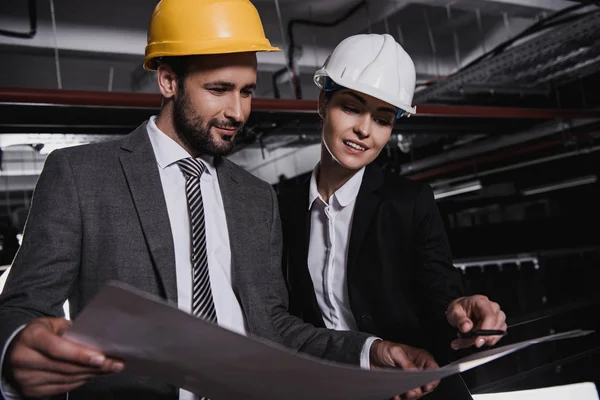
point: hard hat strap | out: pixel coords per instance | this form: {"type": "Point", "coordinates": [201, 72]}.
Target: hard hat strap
{"type": "Point", "coordinates": [329, 85]}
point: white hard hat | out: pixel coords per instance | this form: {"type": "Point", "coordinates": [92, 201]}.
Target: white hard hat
{"type": "Point", "coordinates": [375, 65]}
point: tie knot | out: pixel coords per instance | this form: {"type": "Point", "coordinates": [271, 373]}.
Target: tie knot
{"type": "Point", "coordinates": [191, 167]}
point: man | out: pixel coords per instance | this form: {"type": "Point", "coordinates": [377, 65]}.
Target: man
{"type": "Point", "coordinates": [163, 211]}
{"type": "Point", "coordinates": [366, 250]}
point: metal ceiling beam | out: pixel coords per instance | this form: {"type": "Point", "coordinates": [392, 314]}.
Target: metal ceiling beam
{"type": "Point", "coordinates": [153, 101]}
{"type": "Point", "coordinates": [494, 6]}
{"type": "Point", "coordinates": [549, 5]}
{"type": "Point", "coordinates": [380, 10]}
{"type": "Point", "coordinates": [547, 144]}
{"type": "Point", "coordinates": [540, 49]}
{"type": "Point", "coordinates": [497, 149]}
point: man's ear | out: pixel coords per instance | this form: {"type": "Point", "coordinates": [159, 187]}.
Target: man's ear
{"type": "Point", "coordinates": [167, 81]}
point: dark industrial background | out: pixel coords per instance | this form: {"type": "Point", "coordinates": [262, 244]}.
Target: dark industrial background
{"type": "Point", "coordinates": [507, 133]}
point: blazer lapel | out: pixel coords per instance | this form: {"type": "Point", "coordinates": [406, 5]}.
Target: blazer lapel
{"type": "Point", "coordinates": [303, 301]}
{"type": "Point", "coordinates": [141, 171]}
{"type": "Point", "coordinates": [366, 205]}
{"type": "Point", "coordinates": [233, 211]}
{"type": "Point", "coordinates": [300, 258]}
{"type": "Point", "coordinates": [302, 223]}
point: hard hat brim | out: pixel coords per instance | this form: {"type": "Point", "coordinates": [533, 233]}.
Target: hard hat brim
{"type": "Point", "coordinates": [206, 47]}
{"type": "Point", "coordinates": [365, 89]}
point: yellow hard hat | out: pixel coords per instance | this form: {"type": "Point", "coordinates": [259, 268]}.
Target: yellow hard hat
{"type": "Point", "coordinates": [193, 27]}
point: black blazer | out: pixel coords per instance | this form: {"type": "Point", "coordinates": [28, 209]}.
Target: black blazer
{"type": "Point", "coordinates": [400, 275]}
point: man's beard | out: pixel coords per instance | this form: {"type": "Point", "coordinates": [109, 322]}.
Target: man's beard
{"type": "Point", "coordinates": [195, 132]}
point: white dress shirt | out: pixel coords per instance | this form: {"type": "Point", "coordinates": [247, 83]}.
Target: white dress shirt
{"type": "Point", "coordinates": [229, 311]}
{"type": "Point", "coordinates": [330, 226]}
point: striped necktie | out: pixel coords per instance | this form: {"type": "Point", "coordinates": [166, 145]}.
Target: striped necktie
{"type": "Point", "coordinates": [202, 298]}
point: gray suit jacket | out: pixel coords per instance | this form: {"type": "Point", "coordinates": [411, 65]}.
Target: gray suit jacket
{"type": "Point", "coordinates": [99, 214]}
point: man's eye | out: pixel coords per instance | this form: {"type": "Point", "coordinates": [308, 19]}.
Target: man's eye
{"type": "Point", "coordinates": [218, 90]}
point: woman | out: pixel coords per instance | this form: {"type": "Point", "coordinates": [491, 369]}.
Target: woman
{"type": "Point", "coordinates": [365, 249]}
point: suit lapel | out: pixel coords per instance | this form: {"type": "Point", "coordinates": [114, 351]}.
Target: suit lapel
{"type": "Point", "coordinates": [366, 205]}
{"type": "Point", "coordinates": [234, 213]}
{"type": "Point", "coordinates": [141, 171]}
{"type": "Point", "coordinates": [303, 225]}
{"type": "Point", "coordinates": [301, 257]}
{"type": "Point", "coordinates": [297, 238]}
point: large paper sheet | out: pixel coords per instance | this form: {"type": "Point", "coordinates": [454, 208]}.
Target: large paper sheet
{"type": "Point", "coordinates": [156, 339]}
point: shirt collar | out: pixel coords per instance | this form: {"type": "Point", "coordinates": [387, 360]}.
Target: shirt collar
{"type": "Point", "coordinates": [313, 191]}
{"type": "Point", "coordinates": [168, 151]}
{"type": "Point", "coordinates": [344, 195]}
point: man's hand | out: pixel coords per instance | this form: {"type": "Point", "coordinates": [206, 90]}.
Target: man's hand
{"type": "Point", "coordinates": [386, 354]}
{"type": "Point", "coordinates": [475, 312]}
{"type": "Point", "coordinates": [41, 363]}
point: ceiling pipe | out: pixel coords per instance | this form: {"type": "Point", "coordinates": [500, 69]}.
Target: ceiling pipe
{"type": "Point", "coordinates": [153, 101]}
{"type": "Point", "coordinates": [32, 24]}
{"type": "Point", "coordinates": [537, 161]}
{"type": "Point", "coordinates": [291, 42]}
{"type": "Point", "coordinates": [491, 144]}
{"type": "Point", "coordinates": [555, 141]}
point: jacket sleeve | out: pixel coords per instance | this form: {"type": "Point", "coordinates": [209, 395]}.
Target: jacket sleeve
{"type": "Point", "coordinates": [46, 266]}
{"type": "Point", "coordinates": [338, 346]}
{"type": "Point", "coordinates": [438, 280]}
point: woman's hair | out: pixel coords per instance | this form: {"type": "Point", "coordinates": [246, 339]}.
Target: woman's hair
{"type": "Point", "coordinates": [328, 94]}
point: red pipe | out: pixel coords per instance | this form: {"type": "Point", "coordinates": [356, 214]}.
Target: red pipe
{"type": "Point", "coordinates": [78, 98]}
{"type": "Point", "coordinates": [433, 110]}
{"type": "Point", "coordinates": [555, 141]}
{"type": "Point", "coordinates": [127, 99]}
{"type": "Point", "coordinates": [148, 100]}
